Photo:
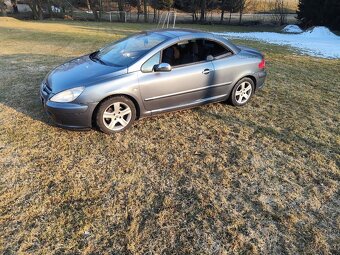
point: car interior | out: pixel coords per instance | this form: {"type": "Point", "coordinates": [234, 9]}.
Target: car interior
{"type": "Point", "coordinates": [191, 51]}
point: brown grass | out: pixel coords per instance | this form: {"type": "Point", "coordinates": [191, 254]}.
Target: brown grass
{"type": "Point", "coordinates": [262, 179]}
{"type": "Point", "coordinates": [269, 5]}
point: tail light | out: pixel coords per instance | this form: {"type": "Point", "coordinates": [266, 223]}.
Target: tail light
{"type": "Point", "coordinates": [262, 64]}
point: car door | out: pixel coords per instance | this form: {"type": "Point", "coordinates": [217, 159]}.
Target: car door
{"type": "Point", "coordinates": [183, 86]}
{"type": "Point", "coordinates": [226, 66]}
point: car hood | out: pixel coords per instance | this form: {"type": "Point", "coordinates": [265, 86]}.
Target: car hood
{"type": "Point", "coordinates": [81, 71]}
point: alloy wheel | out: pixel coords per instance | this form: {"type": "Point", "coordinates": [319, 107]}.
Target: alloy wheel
{"type": "Point", "coordinates": [117, 116]}
{"type": "Point", "coordinates": [243, 92]}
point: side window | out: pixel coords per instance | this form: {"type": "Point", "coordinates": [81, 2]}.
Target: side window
{"type": "Point", "coordinates": [147, 67]}
{"type": "Point", "coordinates": [183, 53]}
{"type": "Point", "coordinates": [214, 49]}
{"type": "Point", "coordinates": [193, 51]}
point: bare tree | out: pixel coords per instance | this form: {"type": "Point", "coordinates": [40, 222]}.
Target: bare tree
{"type": "Point", "coordinates": [229, 6]}
{"type": "Point", "coordinates": [192, 6]}
{"type": "Point", "coordinates": [203, 9]}
{"type": "Point", "coordinates": [158, 5]}
{"type": "Point", "coordinates": [3, 7]}
{"type": "Point", "coordinates": [122, 14]}
{"type": "Point", "coordinates": [138, 5]}
{"type": "Point", "coordinates": [243, 5]}
{"type": "Point", "coordinates": [94, 5]}
{"type": "Point", "coordinates": [36, 7]}
{"type": "Point", "coordinates": [222, 10]}
{"type": "Point", "coordinates": [279, 8]}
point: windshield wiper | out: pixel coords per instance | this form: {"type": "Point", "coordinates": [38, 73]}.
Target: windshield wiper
{"type": "Point", "coordinates": [94, 57]}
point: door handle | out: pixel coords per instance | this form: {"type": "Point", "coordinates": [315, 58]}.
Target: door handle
{"type": "Point", "coordinates": [206, 71]}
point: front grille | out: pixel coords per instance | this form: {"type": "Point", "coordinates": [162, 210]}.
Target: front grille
{"type": "Point", "coordinates": [46, 89]}
{"type": "Point", "coordinates": [47, 84]}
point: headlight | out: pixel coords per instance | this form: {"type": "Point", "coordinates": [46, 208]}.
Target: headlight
{"type": "Point", "coordinates": [67, 95]}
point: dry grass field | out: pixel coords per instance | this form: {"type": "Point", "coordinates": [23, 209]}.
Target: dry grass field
{"type": "Point", "coordinates": [261, 179]}
{"type": "Point", "coordinates": [268, 5]}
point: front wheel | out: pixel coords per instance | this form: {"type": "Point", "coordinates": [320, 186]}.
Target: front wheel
{"type": "Point", "coordinates": [115, 114]}
{"type": "Point", "coordinates": [242, 92]}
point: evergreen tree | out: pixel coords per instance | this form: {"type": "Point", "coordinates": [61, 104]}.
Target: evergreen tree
{"type": "Point", "coordinates": [319, 13]}
{"type": "Point", "coordinates": [332, 13]}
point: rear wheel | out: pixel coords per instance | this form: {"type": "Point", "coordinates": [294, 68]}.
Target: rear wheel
{"type": "Point", "coordinates": [115, 114]}
{"type": "Point", "coordinates": [242, 92]}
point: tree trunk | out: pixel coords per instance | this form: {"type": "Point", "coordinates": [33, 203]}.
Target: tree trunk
{"type": "Point", "coordinates": [94, 9]}
{"type": "Point", "coordinates": [3, 8]}
{"type": "Point", "coordinates": [49, 8]}
{"type": "Point", "coordinates": [146, 11]}
{"type": "Point", "coordinates": [222, 10]}
{"type": "Point", "coordinates": [139, 9]}
{"type": "Point", "coordinates": [121, 10]}
{"type": "Point", "coordinates": [3, 12]}
{"type": "Point", "coordinates": [40, 12]}
{"type": "Point", "coordinates": [203, 10]}
{"type": "Point", "coordinates": [15, 6]}
{"type": "Point", "coordinates": [240, 19]}
{"type": "Point", "coordinates": [36, 8]}
{"type": "Point", "coordinates": [229, 17]}
{"type": "Point", "coordinates": [32, 6]}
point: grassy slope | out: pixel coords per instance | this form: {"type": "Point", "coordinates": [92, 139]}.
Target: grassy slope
{"type": "Point", "coordinates": [215, 179]}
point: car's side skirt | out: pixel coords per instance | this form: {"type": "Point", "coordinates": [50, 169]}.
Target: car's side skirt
{"type": "Point", "coordinates": [193, 104]}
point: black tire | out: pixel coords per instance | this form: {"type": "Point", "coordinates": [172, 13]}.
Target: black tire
{"type": "Point", "coordinates": [237, 90]}
{"type": "Point", "coordinates": [115, 107]}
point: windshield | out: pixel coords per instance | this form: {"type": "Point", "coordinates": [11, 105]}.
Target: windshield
{"type": "Point", "coordinates": [127, 51]}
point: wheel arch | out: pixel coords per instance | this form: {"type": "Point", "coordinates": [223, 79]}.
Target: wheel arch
{"type": "Point", "coordinates": [252, 77]}
{"type": "Point", "coordinates": [134, 101]}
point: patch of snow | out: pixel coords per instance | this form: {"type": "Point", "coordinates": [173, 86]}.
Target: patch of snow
{"type": "Point", "coordinates": [322, 32]}
{"type": "Point", "coordinates": [294, 29]}
{"type": "Point", "coordinates": [316, 42]}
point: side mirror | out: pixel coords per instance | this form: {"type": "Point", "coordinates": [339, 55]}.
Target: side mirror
{"type": "Point", "coordinates": [162, 67]}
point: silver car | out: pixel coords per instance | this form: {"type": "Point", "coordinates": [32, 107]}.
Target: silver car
{"type": "Point", "coordinates": [150, 73]}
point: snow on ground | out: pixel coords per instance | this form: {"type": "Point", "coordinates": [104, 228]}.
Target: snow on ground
{"type": "Point", "coordinates": [294, 29]}
{"type": "Point", "coordinates": [317, 42]}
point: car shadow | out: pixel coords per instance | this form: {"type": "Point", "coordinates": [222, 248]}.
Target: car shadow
{"type": "Point", "coordinates": [21, 77]}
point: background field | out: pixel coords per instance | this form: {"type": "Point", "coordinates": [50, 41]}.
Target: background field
{"type": "Point", "coordinates": [262, 179]}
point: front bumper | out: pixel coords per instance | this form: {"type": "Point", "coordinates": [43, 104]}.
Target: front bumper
{"type": "Point", "coordinates": [68, 115]}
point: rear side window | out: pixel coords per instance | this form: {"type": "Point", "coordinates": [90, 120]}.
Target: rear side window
{"type": "Point", "coordinates": [213, 48]}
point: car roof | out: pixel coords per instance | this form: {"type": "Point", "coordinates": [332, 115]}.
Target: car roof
{"type": "Point", "coordinates": [187, 34]}
{"type": "Point", "coordinates": [177, 32]}
{"type": "Point", "coordinates": [174, 34]}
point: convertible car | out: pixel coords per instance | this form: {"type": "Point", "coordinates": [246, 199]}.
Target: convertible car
{"type": "Point", "coordinates": [149, 73]}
